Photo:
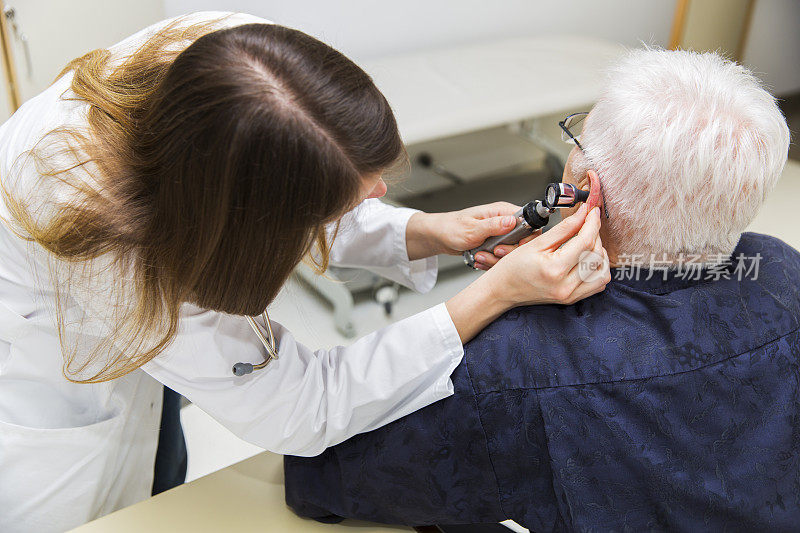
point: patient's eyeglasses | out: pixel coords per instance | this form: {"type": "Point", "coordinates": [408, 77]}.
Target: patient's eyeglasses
{"type": "Point", "coordinates": [571, 129]}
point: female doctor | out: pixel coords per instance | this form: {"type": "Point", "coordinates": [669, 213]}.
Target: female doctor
{"type": "Point", "coordinates": [158, 194]}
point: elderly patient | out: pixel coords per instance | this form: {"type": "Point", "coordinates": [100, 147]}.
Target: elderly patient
{"type": "Point", "coordinates": [667, 402]}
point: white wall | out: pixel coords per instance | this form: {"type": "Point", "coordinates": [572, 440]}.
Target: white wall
{"type": "Point", "coordinates": [59, 31]}
{"type": "Point", "coordinates": [364, 29]}
{"type": "Point", "coordinates": [773, 46]}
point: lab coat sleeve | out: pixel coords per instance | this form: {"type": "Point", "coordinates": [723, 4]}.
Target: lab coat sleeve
{"type": "Point", "coordinates": [307, 399]}
{"type": "Point", "coordinates": [373, 236]}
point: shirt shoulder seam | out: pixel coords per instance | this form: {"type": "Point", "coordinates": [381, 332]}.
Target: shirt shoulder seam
{"type": "Point", "coordinates": [642, 378]}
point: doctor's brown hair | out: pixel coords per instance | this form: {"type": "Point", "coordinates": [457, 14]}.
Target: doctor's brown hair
{"type": "Point", "coordinates": [215, 170]}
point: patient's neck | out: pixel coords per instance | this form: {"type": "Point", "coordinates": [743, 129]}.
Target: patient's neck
{"type": "Point", "coordinates": [611, 247]}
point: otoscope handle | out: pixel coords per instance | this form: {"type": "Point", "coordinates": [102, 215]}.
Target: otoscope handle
{"type": "Point", "coordinates": [532, 216]}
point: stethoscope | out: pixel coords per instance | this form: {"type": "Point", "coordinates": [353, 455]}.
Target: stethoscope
{"type": "Point", "coordinates": [268, 340]}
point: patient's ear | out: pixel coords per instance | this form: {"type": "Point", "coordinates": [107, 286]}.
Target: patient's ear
{"type": "Point", "coordinates": [595, 197]}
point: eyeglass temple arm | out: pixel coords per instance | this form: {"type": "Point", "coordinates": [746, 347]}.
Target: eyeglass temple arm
{"type": "Point", "coordinates": [563, 125]}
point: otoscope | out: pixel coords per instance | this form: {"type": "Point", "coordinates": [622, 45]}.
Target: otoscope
{"type": "Point", "coordinates": [532, 216]}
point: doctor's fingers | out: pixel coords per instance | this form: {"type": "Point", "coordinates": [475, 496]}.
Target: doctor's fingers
{"type": "Point", "coordinates": [589, 262]}
{"type": "Point", "coordinates": [563, 231]}
{"type": "Point", "coordinates": [495, 209]}
{"type": "Point", "coordinates": [591, 274]}
{"type": "Point", "coordinates": [584, 241]}
{"type": "Point", "coordinates": [488, 260]}
{"type": "Point", "coordinates": [504, 249]}
{"type": "Point", "coordinates": [586, 289]}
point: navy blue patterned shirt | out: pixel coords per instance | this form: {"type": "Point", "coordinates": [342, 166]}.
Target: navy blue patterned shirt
{"type": "Point", "coordinates": [656, 405]}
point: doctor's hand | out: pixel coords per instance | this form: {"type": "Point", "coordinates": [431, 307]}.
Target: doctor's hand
{"type": "Point", "coordinates": [452, 233]}
{"type": "Point", "coordinates": [564, 265]}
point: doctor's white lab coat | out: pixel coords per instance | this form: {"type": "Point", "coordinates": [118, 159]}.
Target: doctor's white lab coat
{"type": "Point", "coordinates": [72, 452]}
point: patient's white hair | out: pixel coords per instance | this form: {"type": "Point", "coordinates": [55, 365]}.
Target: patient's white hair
{"type": "Point", "coordinates": [687, 146]}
